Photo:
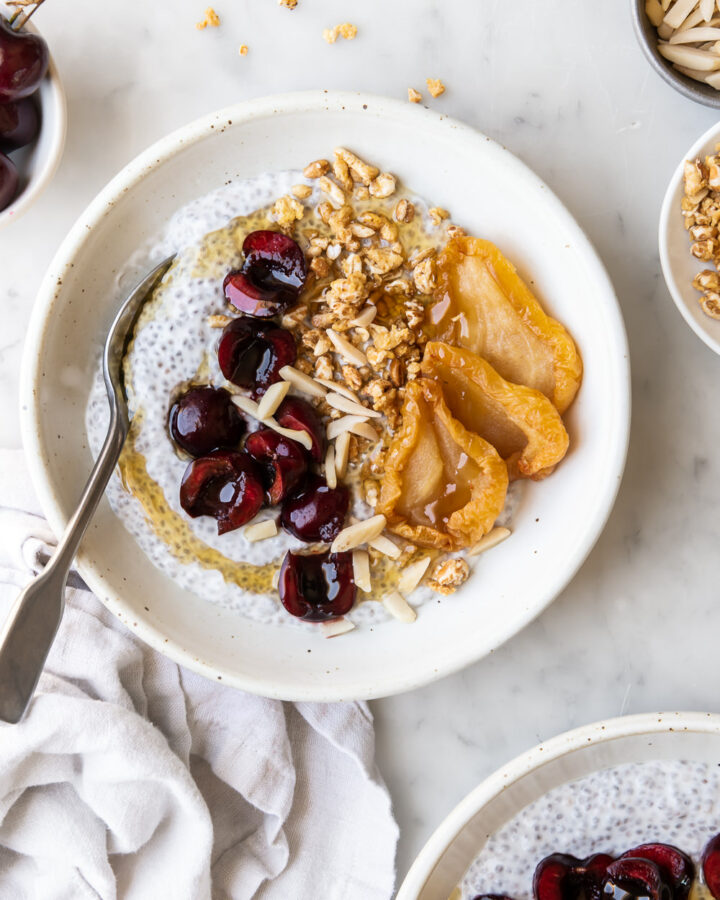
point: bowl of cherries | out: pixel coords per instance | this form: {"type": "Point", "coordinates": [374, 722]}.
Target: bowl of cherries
{"type": "Point", "coordinates": [32, 112]}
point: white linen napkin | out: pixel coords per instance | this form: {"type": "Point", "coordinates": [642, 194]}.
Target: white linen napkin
{"type": "Point", "coordinates": [131, 777]}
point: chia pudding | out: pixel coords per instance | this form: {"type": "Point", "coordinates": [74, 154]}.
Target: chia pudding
{"type": "Point", "coordinates": [609, 811]}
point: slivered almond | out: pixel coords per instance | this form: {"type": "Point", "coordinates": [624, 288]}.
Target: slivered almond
{"type": "Point", "coordinates": [337, 401]}
{"type": "Point", "coordinates": [346, 349]}
{"type": "Point", "coordinates": [360, 533]}
{"type": "Point", "coordinates": [345, 423]}
{"type": "Point", "coordinates": [366, 316]}
{"type": "Point", "coordinates": [412, 575]}
{"type": "Point", "coordinates": [363, 430]}
{"type": "Point", "coordinates": [385, 546]}
{"type": "Point", "coordinates": [251, 408]}
{"type": "Point", "coordinates": [491, 539]}
{"type": "Point", "coordinates": [272, 398]}
{"type": "Point", "coordinates": [302, 382]}
{"type": "Point", "coordinates": [261, 530]}
{"type": "Point", "coordinates": [336, 627]}
{"type": "Point", "coordinates": [342, 451]}
{"type": "Point", "coordinates": [398, 607]}
{"type": "Point", "coordinates": [330, 473]}
{"type": "Point", "coordinates": [246, 405]}
{"type": "Point", "coordinates": [361, 570]}
{"type": "Point", "coordinates": [340, 388]}
{"type": "Point", "coordinates": [219, 321]}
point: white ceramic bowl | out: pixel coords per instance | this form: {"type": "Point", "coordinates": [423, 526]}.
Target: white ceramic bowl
{"type": "Point", "coordinates": [446, 857]}
{"type": "Point", "coordinates": [679, 266]}
{"type": "Point", "coordinates": [491, 193]}
{"type": "Point", "coordinates": [38, 163]}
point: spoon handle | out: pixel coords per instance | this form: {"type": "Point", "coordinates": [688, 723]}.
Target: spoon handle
{"type": "Point", "coordinates": [33, 621]}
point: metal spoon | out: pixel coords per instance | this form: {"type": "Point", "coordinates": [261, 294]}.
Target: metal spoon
{"type": "Point", "coordinates": [32, 624]}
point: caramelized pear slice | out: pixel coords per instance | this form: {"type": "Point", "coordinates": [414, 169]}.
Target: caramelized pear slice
{"type": "Point", "coordinates": [444, 486]}
{"type": "Point", "coordinates": [482, 304]}
{"type": "Point", "coordinates": [520, 422]}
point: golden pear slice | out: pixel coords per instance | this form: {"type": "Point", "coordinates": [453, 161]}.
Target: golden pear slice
{"type": "Point", "coordinates": [443, 485]}
{"type": "Point", "coordinates": [520, 422]}
{"type": "Point", "coordinates": [482, 304]}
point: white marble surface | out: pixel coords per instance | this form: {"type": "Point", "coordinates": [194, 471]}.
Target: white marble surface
{"type": "Point", "coordinates": [564, 86]}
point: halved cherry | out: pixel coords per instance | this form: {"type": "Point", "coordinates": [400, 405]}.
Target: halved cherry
{"type": "Point", "coordinates": [711, 866]}
{"type": "Point", "coordinates": [271, 277]}
{"type": "Point", "coordinates": [589, 874]}
{"type": "Point", "coordinates": [299, 415]}
{"type": "Point", "coordinates": [225, 485]}
{"type": "Point", "coordinates": [315, 512]}
{"type": "Point", "coordinates": [205, 419]}
{"type": "Point", "coordinates": [251, 353]}
{"type": "Point", "coordinates": [252, 299]}
{"type": "Point", "coordinates": [553, 879]}
{"type": "Point", "coordinates": [318, 586]}
{"type": "Point", "coordinates": [281, 350]}
{"type": "Point", "coordinates": [633, 878]}
{"type": "Point", "coordinates": [676, 867]}
{"type": "Point", "coordinates": [283, 462]}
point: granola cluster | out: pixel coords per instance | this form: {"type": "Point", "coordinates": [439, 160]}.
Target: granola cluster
{"type": "Point", "coordinates": [701, 210]}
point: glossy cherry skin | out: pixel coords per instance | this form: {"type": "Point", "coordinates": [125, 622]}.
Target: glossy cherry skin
{"type": "Point", "coordinates": [252, 299]}
{"type": "Point", "coordinates": [676, 867]}
{"type": "Point", "coordinates": [271, 278]}
{"type": "Point", "coordinates": [317, 587]}
{"type": "Point", "coordinates": [23, 62]}
{"type": "Point", "coordinates": [9, 180]}
{"type": "Point", "coordinates": [553, 879]}
{"type": "Point", "coordinates": [225, 485]}
{"type": "Point", "coordinates": [19, 124]}
{"type": "Point", "coordinates": [283, 462]}
{"type": "Point", "coordinates": [711, 866]}
{"type": "Point", "coordinates": [251, 353]}
{"type": "Point", "coordinates": [205, 419]}
{"type": "Point", "coordinates": [299, 415]}
{"type": "Point", "coordinates": [589, 874]}
{"type": "Point", "coordinates": [634, 878]}
{"type": "Point", "coordinates": [315, 512]}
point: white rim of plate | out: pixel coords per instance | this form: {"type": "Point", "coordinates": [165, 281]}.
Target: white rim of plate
{"type": "Point", "coordinates": [125, 180]}
{"type": "Point", "coordinates": [561, 745]}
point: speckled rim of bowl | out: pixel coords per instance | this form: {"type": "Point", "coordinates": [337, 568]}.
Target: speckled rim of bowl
{"type": "Point", "coordinates": [52, 97]}
{"type": "Point", "coordinates": [647, 38]}
{"type": "Point", "coordinates": [701, 325]}
{"type": "Point", "coordinates": [441, 842]}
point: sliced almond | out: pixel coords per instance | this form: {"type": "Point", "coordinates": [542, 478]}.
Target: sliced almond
{"type": "Point", "coordinates": [342, 451]}
{"type": "Point", "coordinates": [219, 321]}
{"type": "Point", "coordinates": [692, 35]}
{"type": "Point", "coordinates": [337, 401]}
{"type": "Point", "coordinates": [360, 533]}
{"type": "Point", "coordinates": [340, 388]}
{"type": "Point", "coordinates": [259, 531]}
{"type": "Point", "coordinates": [361, 570]}
{"type": "Point", "coordinates": [690, 57]}
{"type": "Point", "coordinates": [491, 539]}
{"type": "Point", "coordinates": [251, 408]}
{"type": "Point", "coordinates": [363, 430]}
{"type": "Point", "coordinates": [330, 473]}
{"type": "Point", "coordinates": [412, 575]}
{"type": "Point", "coordinates": [246, 405]}
{"type": "Point", "coordinates": [302, 382]}
{"type": "Point", "coordinates": [336, 627]}
{"type": "Point", "coordinates": [345, 423]}
{"type": "Point", "coordinates": [272, 398]}
{"type": "Point", "coordinates": [346, 349]}
{"type": "Point", "coordinates": [680, 10]}
{"type": "Point", "coordinates": [385, 546]}
{"type": "Point", "coordinates": [365, 317]}
{"type": "Point", "coordinates": [398, 607]}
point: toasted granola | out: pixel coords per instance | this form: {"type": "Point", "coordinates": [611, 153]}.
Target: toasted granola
{"type": "Point", "coordinates": [700, 207]}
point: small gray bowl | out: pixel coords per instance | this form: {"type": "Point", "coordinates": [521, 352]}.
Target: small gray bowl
{"type": "Point", "coordinates": [646, 34]}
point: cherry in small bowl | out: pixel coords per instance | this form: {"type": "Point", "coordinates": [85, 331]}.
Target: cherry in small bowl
{"type": "Point", "coordinates": [251, 354]}
{"type": "Point", "coordinates": [19, 124]}
{"type": "Point", "coordinates": [24, 61]}
{"type": "Point", "coordinates": [283, 462]}
{"type": "Point", "coordinates": [225, 485]}
{"type": "Point", "coordinates": [299, 415]}
{"type": "Point", "coordinates": [271, 278]}
{"type": "Point", "coordinates": [316, 512]}
{"type": "Point", "coordinates": [317, 587]}
{"type": "Point", "coordinates": [205, 419]}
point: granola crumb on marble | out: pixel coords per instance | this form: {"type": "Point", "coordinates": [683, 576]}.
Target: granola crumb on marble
{"type": "Point", "coordinates": [435, 86]}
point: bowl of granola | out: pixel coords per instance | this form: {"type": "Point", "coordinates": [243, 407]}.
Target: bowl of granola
{"type": "Point", "coordinates": [689, 239]}
{"type": "Point", "coordinates": [368, 403]}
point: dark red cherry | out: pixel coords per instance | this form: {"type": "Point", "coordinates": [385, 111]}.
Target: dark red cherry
{"type": "Point", "coordinates": [23, 62]}
{"type": "Point", "coordinates": [251, 353]}
{"type": "Point", "coordinates": [633, 878]}
{"type": "Point", "coordinates": [315, 512]}
{"type": "Point", "coordinates": [205, 419]}
{"type": "Point", "coordinates": [225, 485]}
{"type": "Point", "coordinates": [283, 462]}
{"type": "Point", "coordinates": [274, 260]}
{"type": "Point", "coordinates": [553, 879]}
{"type": "Point", "coordinates": [280, 350]}
{"type": "Point", "coordinates": [676, 867]}
{"type": "Point", "coordinates": [491, 897]}
{"type": "Point", "coordinates": [300, 415]}
{"type": "Point", "coordinates": [589, 874]}
{"type": "Point", "coordinates": [8, 181]}
{"type": "Point", "coordinates": [252, 299]}
{"type": "Point", "coordinates": [19, 124]}
{"type": "Point", "coordinates": [318, 586]}
{"type": "Point", "coordinates": [711, 866]}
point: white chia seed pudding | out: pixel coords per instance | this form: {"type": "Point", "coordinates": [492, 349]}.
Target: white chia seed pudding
{"type": "Point", "coordinates": [610, 811]}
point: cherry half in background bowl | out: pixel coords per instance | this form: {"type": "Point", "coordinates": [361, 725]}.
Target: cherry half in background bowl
{"type": "Point", "coordinates": [271, 278]}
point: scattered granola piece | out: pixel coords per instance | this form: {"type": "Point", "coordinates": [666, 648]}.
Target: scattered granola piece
{"type": "Point", "coordinates": [438, 214]}
{"type": "Point", "coordinates": [288, 4]}
{"type": "Point", "coordinates": [435, 86]}
{"type": "Point", "coordinates": [346, 31]}
{"type": "Point", "coordinates": [404, 211]}
{"type": "Point", "coordinates": [364, 171]}
{"type": "Point", "coordinates": [382, 186]}
{"type": "Point", "coordinates": [211, 18]}
{"type": "Point", "coordinates": [243, 50]}
{"type": "Point", "coordinates": [286, 210]}
{"type": "Point", "coordinates": [316, 168]}
{"type": "Point", "coordinates": [448, 575]}
{"type": "Point", "coordinates": [414, 96]}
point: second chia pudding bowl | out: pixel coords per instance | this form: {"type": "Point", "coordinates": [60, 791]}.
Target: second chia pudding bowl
{"type": "Point", "coordinates": [336, 396]}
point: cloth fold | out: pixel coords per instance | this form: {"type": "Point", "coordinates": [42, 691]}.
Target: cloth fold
{"type": "Point", "coordinates": [131, 777]}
